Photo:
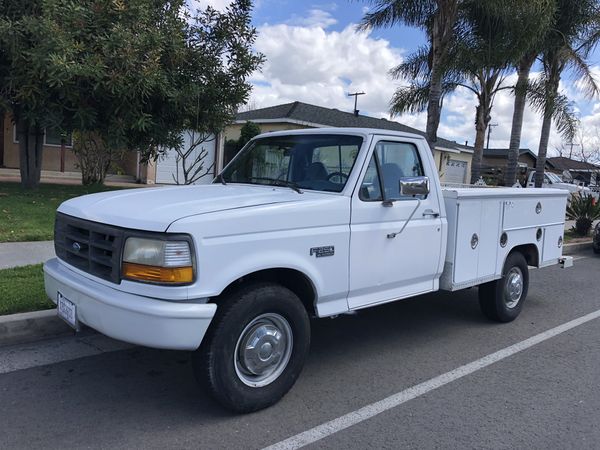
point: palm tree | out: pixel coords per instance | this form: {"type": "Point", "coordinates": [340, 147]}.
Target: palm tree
{"type": "Point", "coordinates": [488, 40]}
{"type": "Point", "coordinates": [523, 69]}
{"type": "Point", "coordinates": [572, 37]}
{"type": "Point", "coordinates": [438, 18]}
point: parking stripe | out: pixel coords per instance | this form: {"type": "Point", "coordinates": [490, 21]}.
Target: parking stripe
{"type": "Point", "coordinates": [367, 412]}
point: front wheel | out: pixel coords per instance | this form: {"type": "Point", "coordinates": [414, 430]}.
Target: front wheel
{"type": "Point", "coordinates": [502, 300]}
{"type": "Point", "coordinates": [255, 347]}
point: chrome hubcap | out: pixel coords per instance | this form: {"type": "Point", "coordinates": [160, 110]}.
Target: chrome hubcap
{"type": "Point", "coordinates": [263, 350]}
{"type": "Point", "coordinates": [514, 287]}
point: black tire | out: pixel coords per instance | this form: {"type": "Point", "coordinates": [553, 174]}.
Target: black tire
{"type": "Point", "coordinates": [494, 297]}
{"type": "Point", "coordinates": [222, 373]}
{"type": "Point", "coordinates": [597, 250]}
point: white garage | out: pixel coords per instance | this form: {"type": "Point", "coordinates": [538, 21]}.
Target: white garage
{"type": "Point", "coordinates": [456, 171]}
{"type": "Point", "coordinates": [170, 166]}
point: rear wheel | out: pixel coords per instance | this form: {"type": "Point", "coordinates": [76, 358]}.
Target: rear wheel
{"type": "Point", "coordinates": [255, 348]}
{"type": "Point", "coordinates": [502, 300]}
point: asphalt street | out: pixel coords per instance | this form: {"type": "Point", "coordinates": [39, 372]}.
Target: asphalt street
{"type": "Point", "coordinates": [91, 392]}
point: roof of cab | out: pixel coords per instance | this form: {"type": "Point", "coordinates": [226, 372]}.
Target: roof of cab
{"type": "Point", "coordinates": [348, 130]}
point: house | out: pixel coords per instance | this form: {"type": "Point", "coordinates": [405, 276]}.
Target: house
{"type": "Point", "coordinates": [58, 157]}
{"type": "Point", "coordinates": [452, 160]}
{"type": "Point", "coordinates": [577, 171]}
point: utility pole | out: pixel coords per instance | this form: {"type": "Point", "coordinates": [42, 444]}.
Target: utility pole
{"type": "Point", "coordinates": [487, 147]}
{"type": "Point", "coordinates": [355, 95]}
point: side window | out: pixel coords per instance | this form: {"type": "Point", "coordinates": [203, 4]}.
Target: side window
{"type": "Point", "coordinates": [390, 162]}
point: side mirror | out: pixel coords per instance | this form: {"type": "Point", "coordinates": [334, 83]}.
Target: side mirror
{"type": "Point", "coordinates": [414, 186]}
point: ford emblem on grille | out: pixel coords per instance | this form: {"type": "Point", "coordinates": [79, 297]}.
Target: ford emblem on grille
{"type": "Point", "coordinates": [76, 246]}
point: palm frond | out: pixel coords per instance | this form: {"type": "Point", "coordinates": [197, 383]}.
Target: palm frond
{"type": "Point", "coordinates": [564, 117]}
{"type": "Point", "coordinates": [386, 13]}
{"type": "Point", "coordinates": [415, 66]}
{"type": "Point", "coordinates": [409, 99]}
{"type": "Point", "coordinates": [561, 108]}
{"type": "Point", "coordinates": [582, 69]}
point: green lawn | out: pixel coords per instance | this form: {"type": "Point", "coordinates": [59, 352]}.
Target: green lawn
{"type": "Point", "coordinates": [22, 290]}
{"type": "Point", "coordinates": [29, 215]}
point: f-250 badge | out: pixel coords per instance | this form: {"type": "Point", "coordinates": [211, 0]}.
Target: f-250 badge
{"type": "Point", "coordinates": [319, 252]}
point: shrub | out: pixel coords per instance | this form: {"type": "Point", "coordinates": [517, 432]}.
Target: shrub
{"type": "Point", "coordinates": [583, 209]}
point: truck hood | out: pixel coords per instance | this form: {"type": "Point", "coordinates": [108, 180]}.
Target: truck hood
{"type": "Point", "coordinates": [154, 209]}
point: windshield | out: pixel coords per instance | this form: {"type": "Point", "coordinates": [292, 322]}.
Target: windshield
{"type": "Point", "coordinates": [318, 162]}
{"type": "Point", "coordinates": [554, 178]}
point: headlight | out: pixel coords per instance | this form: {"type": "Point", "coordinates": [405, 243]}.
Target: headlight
{"type": "Point", "coordinates": [157, 261]}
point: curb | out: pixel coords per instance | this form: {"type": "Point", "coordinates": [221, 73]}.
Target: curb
{"type": "Point", "coordinates": [31, 326]}
{"type": "Point", "coordinates": [579, 247]}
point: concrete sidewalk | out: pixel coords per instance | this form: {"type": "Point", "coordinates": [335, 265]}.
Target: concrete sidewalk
{"type": "Point", "coordinates": [15, 254]}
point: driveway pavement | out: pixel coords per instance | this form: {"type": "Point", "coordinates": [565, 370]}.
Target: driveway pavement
{"type": "Point", "coordinates": [14, 254]}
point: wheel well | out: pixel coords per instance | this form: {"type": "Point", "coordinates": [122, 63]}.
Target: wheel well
{"type": "Point", "coordinates": [292, 279]}
{"type": "Point", "coordinates": [530, 252]}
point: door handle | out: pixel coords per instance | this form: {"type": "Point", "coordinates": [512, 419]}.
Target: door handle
{"type": "Point", "coordinates": [431, 212]}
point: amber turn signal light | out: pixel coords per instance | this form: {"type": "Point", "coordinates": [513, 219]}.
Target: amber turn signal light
{"type": "Point", "coordinates": [155, 274]}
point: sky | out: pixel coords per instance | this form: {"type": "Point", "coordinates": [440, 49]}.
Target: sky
{"type": "Point", "coordinates": [315, 54]}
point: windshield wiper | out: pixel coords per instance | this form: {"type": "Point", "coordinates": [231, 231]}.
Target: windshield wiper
{"type": "Point", "coordinates": [278, 182]}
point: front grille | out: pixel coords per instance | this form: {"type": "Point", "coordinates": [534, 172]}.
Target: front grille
{"type": "Point", "coordinates": [90, 246]}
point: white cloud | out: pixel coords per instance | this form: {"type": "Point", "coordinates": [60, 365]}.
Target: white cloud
{"type": "Point", "coordinates": [202, 4]}
{"type": "Point", "coordinates": [317, 18]}
{"type": "Point", "coordinates": [320, 67]}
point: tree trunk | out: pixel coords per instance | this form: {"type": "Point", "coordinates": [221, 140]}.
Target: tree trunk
{"type": "Point", "coordinates": [31, 141]}
{"type": "Point", "coordinates": [442, 34]}
{"type": "Point", "coordinates": [481, 122]}
{"type": "Point", "coordinates": [551, 92]}
{"type": "Point", "coordinates": [543, 147]}
{"type": "Point", "coordinates": [435, 85]}
{"type": "Point", "coordinates": [510, 177]}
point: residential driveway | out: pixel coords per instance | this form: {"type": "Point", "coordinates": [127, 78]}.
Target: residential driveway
{"type": "Point", "coordinates": [13, 254]}
{"type": "Point", "coordinates": [388, 377]}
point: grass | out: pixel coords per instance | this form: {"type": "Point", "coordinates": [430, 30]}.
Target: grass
{"type": "Point", "coordinates": [28, 215]}
{"type": "Point", "coordinates": [22, 290]}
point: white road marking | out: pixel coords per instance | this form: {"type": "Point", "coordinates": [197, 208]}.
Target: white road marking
{"type": "Point", "coordinates": [341, 423]}
{"type": "Point", "coordinates": [52, 351]}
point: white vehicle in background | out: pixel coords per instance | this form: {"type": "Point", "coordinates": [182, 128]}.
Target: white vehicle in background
{"type": "Point", "coordinates": [303, 223]}
{"type": "Point", "coordinates": [551, 180]}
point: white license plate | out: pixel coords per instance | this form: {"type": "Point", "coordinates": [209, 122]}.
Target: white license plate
{"type": "Point", "coordinates": [67, 310]}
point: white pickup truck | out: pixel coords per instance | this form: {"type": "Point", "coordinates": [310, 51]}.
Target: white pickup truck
{"type": "Point", "coordinates": [551, 180]}
{"type": "Point", "coordinates": [303, 223]}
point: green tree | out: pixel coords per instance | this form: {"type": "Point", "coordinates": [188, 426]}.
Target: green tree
{"type": "Point", "coordinates": [574, 34]}
{"type": "Point", "coordinates": [438, 18]}
{"type": "Point", "coordinates": [540, 23]}
{"type": "Point", "coordinates": [248, 131]}
{"type": "Point", "coordinates": [496, 35]}
{"type": "Point", "coordinates": [133, 73]}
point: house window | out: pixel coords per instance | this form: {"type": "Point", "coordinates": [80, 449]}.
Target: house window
{"type": "Point", "coordinates": [52, 136]}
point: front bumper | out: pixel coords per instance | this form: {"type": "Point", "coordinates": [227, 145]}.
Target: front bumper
{"type": "Point", "coordinates": [131, 318]}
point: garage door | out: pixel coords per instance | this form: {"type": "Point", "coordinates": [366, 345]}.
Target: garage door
{"type": "Point", "coordinates": [456, 171]}
{"type": "Point", "coordinates": [169, 167]}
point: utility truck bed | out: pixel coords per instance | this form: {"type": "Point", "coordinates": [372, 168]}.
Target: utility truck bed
{"type": "Point", "coordinates": [484, 224]}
